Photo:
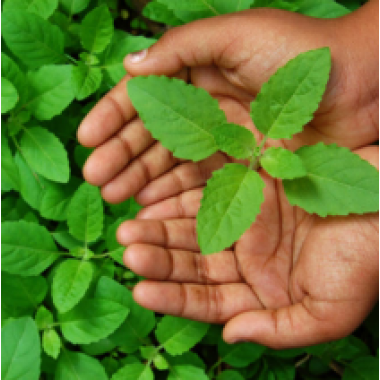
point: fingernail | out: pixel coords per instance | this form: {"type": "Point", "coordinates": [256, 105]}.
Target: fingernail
{"type": "Point", "coordinates": [138, 56]}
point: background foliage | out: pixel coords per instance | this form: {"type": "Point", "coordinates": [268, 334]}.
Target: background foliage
{"type": "Point", "coordinates": [67, 308]}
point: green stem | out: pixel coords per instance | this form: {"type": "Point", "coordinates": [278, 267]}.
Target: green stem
{"type": "Point", "coordinates": [303, 360]}
{"type": "Point", "coordinates": [101, 255]}
{"type": "Point", "coordinates": [214, 366]}
{"type": "Point", "coordinates": [336, 368]}
{"type": "Point", "coordinates": [70, 58]}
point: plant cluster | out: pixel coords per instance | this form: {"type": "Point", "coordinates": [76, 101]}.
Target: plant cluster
{"type": "Point", "coordinates": [67, 306]}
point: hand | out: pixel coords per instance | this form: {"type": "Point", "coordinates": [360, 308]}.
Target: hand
{"type": "Point", "coordinates": [232, 56]}
{"type": "Point", "coordinates": [293, 279]}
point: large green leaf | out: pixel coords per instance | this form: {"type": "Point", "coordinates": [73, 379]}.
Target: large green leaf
{"type": "Point", "coordinates": [230, 374]}
{"type": "Point", "coordinates": [135, 371]}
{"type": "Point", "coordinates": [231, 201]}
{"type": "Point", "coordinates": [186, 372]}
{"type": "Point", "coordinates": [43, 8]}
{"type": "Point", "coordinates": [97, 29]}
{"type": "Point", "coordinates": [291, 96]}
{"type": "Point", "coordinates": [85, 213]}
{"type": "Point", "coordinates": [70, 283]}
{"type": "Point", "coordinates": [51, 90]}
{"type": "Point", "coordinates": [338, 182]}
{"type": "Point", "coordinates": [180, 116]}
{"type": "Point", "coordinates": [322, 9]}
{"type": "Point", "coordinates": [27, 249]}
{"type": "Point", "coordinates": [365, 368]}
{"type": "Point", "coordinates": [10, 178]}
{"type": "Point", "coordinates": [31, 38]}
{"type": "Point", "coordinates": [85, 80]}
{"type": "Point", "coordinates": [20, 354]}
{"type": "Point", "coordinates": [73, 7]}
{"type": "Point", "coordinates": [9, 95]}
{"type": "Point", "coordinates": [178, 335]}
{"type": "Point", "coordinates": [78, 366]}
{"type": "Point", "coordinates": [159, 12]}
{"type": "Point", "coordinates": [45, 154]}
{"type": "Point", "coordinates": [92, 320]}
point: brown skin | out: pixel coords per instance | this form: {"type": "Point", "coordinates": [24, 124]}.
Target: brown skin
{"type": "Point", "coordinates": [293, 279]}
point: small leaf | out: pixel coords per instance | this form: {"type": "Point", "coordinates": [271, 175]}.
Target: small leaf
{"type": "Point", "coordinates": [51, 343]}
{"type": "Point", "coordinates": [9, 95]}
{"type": "Point", "coordinates": [135, 371]}
{"type": "Point", "coordinates": [73, 7]}
{"type": "Point", "coordinates": [178, 335]}
{"type": "Point", "coordinates": [92, 320]}
{"type": "Point", "coordinates": [240, 354]}
{"type": "Point", "coordinates": [51, 90]}
{"type": "Point", "coordinates": [20, 354]}
{"type": "Point", "coordinates": [44, 318]}
{"type": "Point", "coordinates": [231, 201]}
{"type": "Point", "coordinates": [85, 214]}
{"type": "Point", "coordinates": [43, 8]}
{"type": "Point", "coordinates": [97, 29]}
{"type": "Point", "coordinates": [365, 368]}
{"type": "Point", "coordinates": [70, 283]}
{"type": "Point", "coordinates": [159, 12]}
{"type": "Point", "coordinates": [27, 249]}
{"type": "Point", "coordinates": [86, 80]}
{"type": "Point", "coordinates": [186, 372]}
{"type": "Point", "coordinates": [180, 116]}
{"type": "Point", "coordinates": [338, 182]}
{"type": "Point", "coordinates": [281, 369]}
{"type": "Point", "coordinates": [282, 163]}
{"type": "Point", "coordinates": [10, 178]}
{"type": "Point", "coordinates": [234, 140]}
{"type": "Point", "coordinates": [322, 9]}
{"type": "Point", "coordinates": [32, 39]}
{"type": "Point", "coordinates": [230, 375]}
{"type": "Point", "coordinates": [45, 154]}
{"type": "Point", "coordinates": [288, 100]}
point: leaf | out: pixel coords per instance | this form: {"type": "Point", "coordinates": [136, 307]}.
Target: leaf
{"type": "Point", "coordinates": [282, 163]}
{"type": "Point", "coordinates": [76, 365]}
{"type": "Point", "coordinates": [9, 95]}
{"type": "Point", "coordinates": [51, 343]}
{"type": "Point", "coordinates": [73, 7]}
{"type": "Point", "coordinates": [365, 368]}
{"type": "Point", "coordinates": [43, 8]}
{"type": "Point", "coordinates": [180, 116]}
{"type": "Point", "coordinates": [70, 283]}
{"type": "Point", "coordinates": [51, 90]}
{"type": "Point", "coordinates": [92, 320]}
{"type": "Point", "coordinates": [27, 249]}
{"type": "Point", "coordinates": [20, 354]}
{"type": "Point", "coordinates": [288, 100]}
{"type": "Point", "coordinates": [97, 29]}
{"type": "Point", "coordinates": [234, 140]}
{"type": "Point", "coordinates": [187, 372]}
{"type": "Point", "coordinates": [231, 201]}
{"type": "Point", "coordinates": [338, 182]}
{"type": "Point", "coordinates": [44, 318]}
{"type": "Point", "coordinates": [178, 335]}
{"type": "Point", "coordinates": [281, 369]}
{"type": "Point", "coordinates": [10, 178]}
{"type": "Point", "coordinates": [45, 154]}
{"type": "Point", "coordinates": [135, 371]}
{"type": "Point", "coordinates": [85, 80]}
{"type": "Point", "coordinates": [240, 354]}
{"type": "Point", "coordinates": [227, 6]}
{"type": "Point", "coordinates": [32, 39]}
{"type": "Point", "coordinates": [323, 9]}
{"type": "Point", "coordinates": [230, 374]}
{"type": "Point", "coordinates": [158, 12]}
{"type": "Point", "coordinates": [190, 5]}
{"type": "Point", "coordinates": [85, 214]}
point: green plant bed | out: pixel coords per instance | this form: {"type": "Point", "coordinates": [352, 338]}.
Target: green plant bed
{"type": "Point", "coordinates": [67, 306]}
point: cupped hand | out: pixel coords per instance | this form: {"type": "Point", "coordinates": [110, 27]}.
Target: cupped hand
{"type": "Point", "coordinates": [293, 279]}
{"type": "Point", "coordinates": [231, 56]}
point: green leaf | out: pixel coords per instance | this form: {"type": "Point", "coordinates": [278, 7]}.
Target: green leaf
{"type": "Point", "coordinates": [43, 8]}
{"type": "Point", "coordinates": [73, 7]}
{"type": "Point", "coordinates": [179, 115]}
{"type": "Point", "coordinates": [51, 90]}
{"type": "Point", "coordinates": [27, 249]}
{"type": "Point", "coordinates": [20, 354]}
{"type": "Point", "coordinates": [45, 154]}
{"type": "Point", "coordinates": [189, 5]}
{"type": "Point", "coordinates": [282, 163]}
{"type": "Point", "coordinates": [338, 182]}
{"type": "Point", "coordinates": [135, 371]}
{"type": "Point", "coordinates": [9, 95]}
{"type": "Point", "coordinates": [365, 368]}
{"type": "Point", "coordinates": [32, 39]}
{"type": "Point", "coordinates": [97, 29]}
{"type": "Point", "coordinates": [10, 178]}
{"type": "Point", "coordinates": [76, 365]}
{"type": "Point", "coordinates": [234, 140]}
{"type": "Point", "coordinates": [51, 343]}
{"type": "Point", "coordinates": [178, 335]}
{"type": "Point", "coordinates": [231, 201]}
{"type": "Point", "coordinates": [44, 318]}
{"type": "Point", "coordinates": [85, 80]}
{"type": "Point", "coordinates": [70, 283]}
{"type": "Point", "coordinates": [281, 369]}
{"type": "Point", "coordinates": [230, 375]}
{"type": "Point", "coordinates": [288, 100]}
{"type": "Point", "coordinates": [322, 9]}
{"type": "Point", "coordinates": [227, 6]}
{"type": "Point", "coordinates": [92, 320]}
{"type": "Point", "coordinates": [158, 12]}
{"type": "Point", "coordinates": [187, 372]}
{"type": "Point", "coordinates": [85, 214]}
{"type": "Point", "coordinates": [240, 354]}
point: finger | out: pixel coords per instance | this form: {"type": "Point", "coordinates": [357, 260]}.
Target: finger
{"type": "Point", "coordinates": [184, 177]}
{"type": "Point", "coordinates": [108, 116]}
{"type": "Point", "coordinates": [206, 303]}
{"type": "Point", "coordinates": [110, 158]}
{"type": "Point", "coordinates": [184, 205]}
{"type": "Point", "coordinates": [163, 264]}
{"type": "Point", "coordinates": [138, 173]}
{"type": "Point", "coordinates": [173, 233]}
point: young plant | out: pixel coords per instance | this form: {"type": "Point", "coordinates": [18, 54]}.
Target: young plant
{"type": "Point", "coordinates": [321, 179]}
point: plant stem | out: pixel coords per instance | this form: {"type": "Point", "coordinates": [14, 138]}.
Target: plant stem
{"type": "Point", "coordinates": [336, 368]}
{"type": "Point", "coordinates": [303, 360]}
{"type": "Point", "coordinates": [70, 58]}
